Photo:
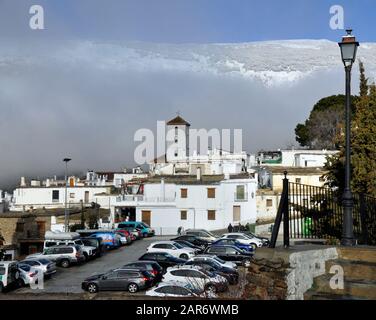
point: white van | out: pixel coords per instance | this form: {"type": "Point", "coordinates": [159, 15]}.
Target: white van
{"type": "Point", "coordinates": [9, 274]}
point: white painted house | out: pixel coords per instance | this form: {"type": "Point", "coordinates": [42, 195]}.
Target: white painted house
{"type": "Point", "coordinates": [210, 202]}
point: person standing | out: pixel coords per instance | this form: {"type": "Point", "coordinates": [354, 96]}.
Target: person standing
{"type": "Point", "coordinates": [230, 228]}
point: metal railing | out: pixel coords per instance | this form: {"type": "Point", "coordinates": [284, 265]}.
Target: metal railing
{"type": "Point", "coordinates": [311, 212]}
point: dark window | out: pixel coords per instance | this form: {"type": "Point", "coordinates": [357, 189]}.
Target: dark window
{"type": "Point", "coordinates": [195, 274]}
{"type": "Point", "coordinates": [55, 195]}
{"type": "Point", "coordinates": [269, 202]}
{"type": "Point", "coordinates": [162, 246]}
{"type": "Point", "coordinates": [180, 273]}
{"type": "Point", "coordinates": [233, 236]}
{"type": "Point", "coordinates": [148, 256]}
{"type": "Point", "coordinates": [183, 215]}
{"type": "Point", "coordinates": [20, 227]}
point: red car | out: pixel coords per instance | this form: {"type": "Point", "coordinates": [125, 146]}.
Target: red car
{"type": "Point", "coordinates": [127, 234]}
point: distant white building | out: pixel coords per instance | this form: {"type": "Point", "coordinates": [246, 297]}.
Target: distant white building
{"type": "Point", "coordinates": [294, 158]}
{"type": "Point", "coordinates": [180, 160]}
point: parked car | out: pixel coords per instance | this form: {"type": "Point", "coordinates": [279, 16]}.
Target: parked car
{"type": "Point", "coordinates": [231, 274]}
{"type": "Point", "coordinates": [202, 234]}
{"type": "Point", "coordinates": [126, 234]}
{"type": "Point", "coordinates": [68, 238]}
{"type": "Point", "coordinates": [135, 233]}
{"type": "Point", "coordinates": [217, 259]}
{"type": "Point", "coordinates": [46, 266]}
{"type": "Point", "coordinates": [94, 242]}
{"type": "Point", "coordinates": [230, 253]}
{"type": "Point", "coordinates": [173, 248]}
{"type": "Point", "coordinates": [197, 277]}
{"type": "Point", "coordinates": [164, 259]}
{"type": "Point", "coordinates": [193, 239]}
{"type": "Point", "coordinates": [152, 266]}
{"type": "Point", "coordinates": [89, 252]}
{"type": "Point", "coordinates": [109, 239]}
{"type": "Point", "coordinates": [265, 241]}
{"type": "Point", "coordinates": [146, 230]}
{"type": "Point", "coordinates": [189, 245]}
{"type": "Point", "coordinates": [122, 238]}
{"type": "Point", "coordinates": [233, 242]}
{"type": "Point", "coordinates": [28, 275]}
{"type": "Point", "coordinates": [9, 275]}
{"type": "Point", "coordinates": [122, 279]}
{"type": "Point", "coordinates": [244, 238]}
{"type": "Point", "coordinates": [173, 289]}
{"type": "Point", "coordinates": [64, 256]}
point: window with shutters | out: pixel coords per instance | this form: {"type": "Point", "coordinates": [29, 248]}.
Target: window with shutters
{"type": "Point", "coordinates": [184, 193]}
{"type": "Point", "coordinates": [211, 193]}
{"type": "Point", "coordinates": [211, 214]}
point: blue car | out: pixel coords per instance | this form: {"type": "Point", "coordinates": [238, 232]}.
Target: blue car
{"type": "Point", "coordinates": [146, 230]}
{"type": "Point", "coordinates": [233, 242]}
{"type": "Point", "coordinates": [109, 239]}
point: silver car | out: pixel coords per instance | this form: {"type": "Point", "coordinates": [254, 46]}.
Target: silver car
{"type": "Point", "coordinates": [44, 265]}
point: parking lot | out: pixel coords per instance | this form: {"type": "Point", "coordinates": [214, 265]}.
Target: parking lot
{"type": "Point", "coordinates": [69, 280]}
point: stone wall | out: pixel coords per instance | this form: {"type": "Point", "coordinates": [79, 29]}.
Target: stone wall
{"type": "Point", "coordinates": [266, 280]}
{"type": "Point", "coordinates": [286, 274]}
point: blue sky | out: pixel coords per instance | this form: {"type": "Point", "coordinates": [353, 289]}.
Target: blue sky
{"type": "Point", "coordinates": [198, 21]}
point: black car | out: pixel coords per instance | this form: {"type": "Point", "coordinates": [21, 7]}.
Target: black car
{"type": "Point", "coordinates": [187, 244]}
{"type": "Point", "coordinates": [164, 259]}
{"type": "Point", "coordinates": [151, 266]}
{"type": "Point", "coordinates": [232, 275]}
{"type": "Point", "coordinates": [230, 253]}
{"type": "Point", "coordinates": [122, 279]}
{"type": "Point", "coordinates": [193, 239]}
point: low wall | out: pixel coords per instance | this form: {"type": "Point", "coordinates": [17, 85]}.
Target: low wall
{"type": "Point", "coordinates": [286, 274]}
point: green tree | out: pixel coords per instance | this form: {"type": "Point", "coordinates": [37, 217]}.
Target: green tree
{"type": "Point", "coordinates": [363, 141]}
{"type": "Point", "coordinates": [325, 123]}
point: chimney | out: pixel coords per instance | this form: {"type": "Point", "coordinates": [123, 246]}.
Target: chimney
{"type": "Point", "coordinates": [23, 182]}
{"type": "Point", "coordinates": [198, 173]}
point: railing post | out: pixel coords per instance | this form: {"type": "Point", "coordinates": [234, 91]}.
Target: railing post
{"type": "Point", "coordinates": [286, 213]}
{"type": "Point", "coordinates": [283, 210]}
{"type": "Point", "coordinates": [363, 218]}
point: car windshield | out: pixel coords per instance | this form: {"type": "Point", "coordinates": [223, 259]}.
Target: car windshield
{"type": "Point", "coordinates": [178, 245]}
{"type": "Point", "coordinates": [144, 225]}
{"type": "Point", "coordinates": [44, 261]}
{"type": "Point", "coordinates": [24, 267]}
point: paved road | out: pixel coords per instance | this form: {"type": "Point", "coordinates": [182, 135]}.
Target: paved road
{"type": "Point", "coordinates": [69, 280]}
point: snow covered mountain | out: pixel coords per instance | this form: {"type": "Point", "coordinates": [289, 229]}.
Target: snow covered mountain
{"type": "Point", "coordinates": [272, 62]}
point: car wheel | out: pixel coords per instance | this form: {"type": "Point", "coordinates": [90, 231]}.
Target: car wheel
{"type": "Point", "coordinates": [20, 283]}
{"type": "Point", "coordinates": [184, 256]}
{"type": "Point", "coordinates": [65, 263]}
{"type": "Point", "coordinates": [210, 289]}
{"type": "Point", "coordinates": [92, 288]}
{"type": "Point", "coordinates": [133, 288]}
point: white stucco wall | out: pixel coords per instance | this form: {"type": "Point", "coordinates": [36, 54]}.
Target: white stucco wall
{"type": "Point", "coordinates": [42, 197]}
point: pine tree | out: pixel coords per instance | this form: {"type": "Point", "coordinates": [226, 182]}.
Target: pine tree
{"type": "Point", "coordinates": [363, 85]}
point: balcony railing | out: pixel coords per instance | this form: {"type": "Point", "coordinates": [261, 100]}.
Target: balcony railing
{"type": "Point", "coordinates": [142, 198]}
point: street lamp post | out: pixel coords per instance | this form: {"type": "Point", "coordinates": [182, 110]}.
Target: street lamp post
{"type": "Point", "coordinates": [66, 223]}
{"type": "Point", "coordinates": [349, 47]}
